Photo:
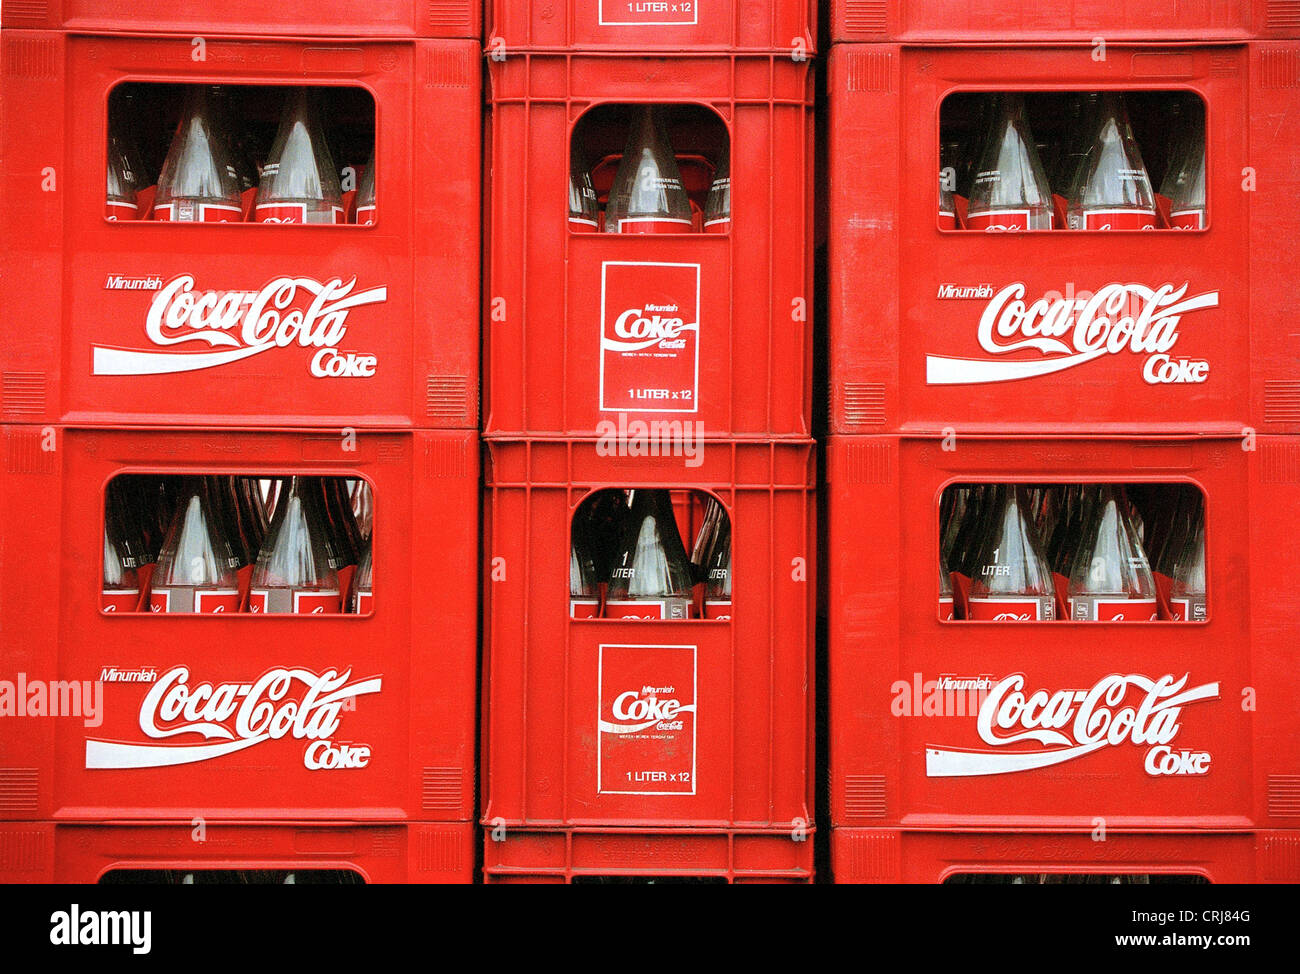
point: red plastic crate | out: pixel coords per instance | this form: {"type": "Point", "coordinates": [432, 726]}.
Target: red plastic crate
{"type": "Point", "coordinates": [325, 18]}
{"type": "Point", "coordinates": [906, 349]}
{"type": "Point", "coordinates": [966, 21]}
{"type": "Point", "coordinates": [548, 678]}
{"type": "Point", "coordinates": [65, 263]}
{"type": "Point", "coordinates": [60, 852]}
{"type": "Point", "coordinates": [653, 25]}
{"type": "Point", "coordinates": [864, 855]}
{"type": "Point", "coordinates": [750, 369]}
{"type": "Point", "coordinates": [700, 855]}
{"type": "Point", "coordinates": [896, 764]}
{"type": "Point", "coordinates": [419, 642]}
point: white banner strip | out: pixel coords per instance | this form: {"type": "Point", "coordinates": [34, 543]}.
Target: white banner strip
{"type": "Point", "coordinates": [112, 754]}
{"type": "Point", "coordinates": [943, 371]}
{"type": "Point", "coordinates": [960, 764]}
{"type": "Point", "coordinates": [121, 361]}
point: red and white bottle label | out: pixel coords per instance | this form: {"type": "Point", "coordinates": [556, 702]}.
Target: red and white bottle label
{"type": "Point", "coordinates": [1119, 219]}
{"type": "Point", "coordinates": [717, 609]}
{"type": "Point", "coordinates": [297, 213]}
{"type": "Point", "coordinates": [580, 224]}
{"type": "Point", "coordinates": [194, 600]}
{"type": "Point", "coordinates": [945, 609]}
{"type": "Point", "coordinates": [285, 600]}
{"type": "Point", "coordinates": [653, 224]}
{"type": "Point", "coordinates": [1187, 219]}
{"type": "Point", "coordinates": [998, 221]}
{"type": "Point", "coordinates": [190, 211]}
{"type": "Point", "coordinates": [120, 210]}
{"type": "Point", "coordinates": [1188, 610]}
{"type": "Point", "coordinates": [650, 337]}
{"type": "Point", "coordinates": [119, 599]}
{"type": "Point", "coordinates": [216, 600]}
{"type": "Point", "coordinates": [316, 603]}
{"type": "Point", "coordinates": [648, 609]}
{"type": "Point", "coordinates": [365, 603]}
{"type": "Point", "coordinates": [1087, 608]}
{"type": "Point", "coordinates": [646, 724]}
{"type": "Point", "coordinates": [1003, 609]}
{"type": "Point", "coordinates": [584, 608]}
{"type": "Point", "coordinates": [720, 225]}
{"type": "Point", "coordinates": [947, 220]}
{"type": "Point", "coordinates": [366, 215]}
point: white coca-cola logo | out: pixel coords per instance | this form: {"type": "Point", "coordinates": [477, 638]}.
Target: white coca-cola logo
{"type": "Point", "coordinates": [280, 703]}
{"type": "Point", "coordinates": [1068, 724]}
{"type": "Point", "coordinates": [1012, 617]}
{"type": "Point", "coordinates": [643, 327]}
{"type": "Point", "coordinates": [636, 711]}
{"type": "Point", "coordinates": [1071, 330]}
{"type": "Point", "coordinates": [235, 325]}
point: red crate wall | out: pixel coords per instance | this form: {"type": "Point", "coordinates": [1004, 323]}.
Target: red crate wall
{"type": "Point", "coordinates": [753, 743]}
{"type": "Point", "coordinates": [420, 639]}
{"type": "Point", "coordinates": [883, 495]}
{"type": "Point", "coordinates": [966, 21]}
{"type": "Point", "coordinates": [343, 19]}
{"type": "Point", "coordinates": [46, 852]}
{"type": "Point", "coordinates": [889, 261]}
{"type": "Point", "coordinates": [716, 855]}
{"type": "Point", "coordinates": [653, 25]}
{"type": "Point", "coordinates": [62, 253]}
{"type": "Point", "coordinates": [861, 855]}
{"type": "Point", "coordinates": [543, 314]}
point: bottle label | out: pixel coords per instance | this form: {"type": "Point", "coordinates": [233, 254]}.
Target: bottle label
{"type": "Point", "coordinates": [120, 210]}
{"type": "Point", "coordinates": [648, 609]}
{"type": "Point", "coordinates": [947, 220]}
{"type": "Point", "coordinates": [998, 221]}
{"type": "Point", "coordinates": [717, 609]}
{"type": "Point", "coordinates": [584, 608]}
{"type": "Point", "coordinates": [653, 224]}
{"type": "Point", "coordinates": [366, 215]}
{"type": "Point", "coordinates": [1088, 608]}
{"type": "Point", "coordinates": [182, 598]}
{"type": "Point", "coordinates": [945, 609]}
{"type": "Point", "coordinates": [216, 600]}
{"type": "Point", "coordinates": [297, 213]}
{"type": "Point", "coordinates": [1003, 609]}
{"type": "Point", "coordinates": [649, 345]}
{"type": "Point", "coordinates": [648, 13]}
{"type": "Point", "coordinates": [1187, 219]}
{"type": "Point", "coordinates": [191, 211]}
{"type": "Point", "coordinates": [119, 599]}
{"type": "Point", "coordinates": [580, 224]}
{"type": "Point", "coordinates": [1189, 609]}
{"type": "Point", "coordinates": [365, 603]}
{"type": "Point", "coordinates": [720, 224]}
{"type": "Point", "coordinates": [1119, 219]}
{"type": "Point", "coordinates": [646, 721]}
{"type": "Point", "coordinates": [287, 600]}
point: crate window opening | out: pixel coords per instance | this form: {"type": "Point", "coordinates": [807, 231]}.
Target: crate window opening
{"type": "Point", "coordinates": [628, 555]}
{"type": "Point", "coordinates": [224, 153]}
{"type": "Point", "coordinates": [650, 169]}
{"type": "Point", "coordinates": [198, 544]}
{"type": "Point", "coordinates": [1014, 161]}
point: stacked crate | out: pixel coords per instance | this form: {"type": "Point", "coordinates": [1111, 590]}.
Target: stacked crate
{"type": "Point", "coordinates": [387, 394]}
{"type": "Point", "coordinates": [725, 792]}
{"type": "Point", "coordinates": [920, 790]}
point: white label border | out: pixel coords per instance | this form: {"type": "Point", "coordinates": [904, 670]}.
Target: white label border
{"type": "Point", "coordinates": [699, 336]}
{"type": "Point", "coordinates": [695, 723]}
